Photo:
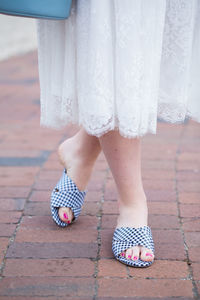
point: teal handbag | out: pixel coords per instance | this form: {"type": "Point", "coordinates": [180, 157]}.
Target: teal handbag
{"type": "Point", "coordinates": [44, 9]}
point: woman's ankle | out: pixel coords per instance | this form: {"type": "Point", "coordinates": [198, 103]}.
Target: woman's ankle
{"type": "Point", "coordinates": [79, 168]}
{"type": "Point", "coordinates": [74, 151]}
{"type": "Point", "coordinates": [136, 198]}
{"type": "Point", "coordinates": [133, 213]}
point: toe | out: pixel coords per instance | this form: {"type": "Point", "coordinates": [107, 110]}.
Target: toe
{"type": "Point", "coordinates": [135, 253]}
{"type": "Point", "coordinates": [129, 253]}
{"type": "Point", "coordinates": [146, 254]}
{"type": "Point", "coordinates": [123, 254]}
{"type": "Point", "coordinates": [65, 214]}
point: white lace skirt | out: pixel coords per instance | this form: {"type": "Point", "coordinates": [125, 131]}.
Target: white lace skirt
{"type": "Point", "coordinates": [121, 64]}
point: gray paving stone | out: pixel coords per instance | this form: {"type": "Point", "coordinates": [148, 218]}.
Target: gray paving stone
{"type": "Point", "coordinates": [18, 36]}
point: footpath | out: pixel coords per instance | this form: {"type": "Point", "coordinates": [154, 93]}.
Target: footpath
{"type": "Point", "coordinates": [39, 260]}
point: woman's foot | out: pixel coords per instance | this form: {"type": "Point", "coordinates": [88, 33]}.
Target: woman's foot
{"type": "Point", "coordinates": [135, 215]}
{"type": "Point", "coordinates": [79, 165]}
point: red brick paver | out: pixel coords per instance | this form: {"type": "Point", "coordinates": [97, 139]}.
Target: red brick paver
{"type": "Point", "coordinates": [40, 260]}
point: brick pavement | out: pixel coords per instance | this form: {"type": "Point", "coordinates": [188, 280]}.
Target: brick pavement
{"type": "Point", "coordinates": [40, 260]}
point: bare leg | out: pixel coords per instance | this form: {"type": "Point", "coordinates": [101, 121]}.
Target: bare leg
{"type": "Point", "coordinates": [78, 155]}
{"type": "Point", "coordinates": [124, 159]}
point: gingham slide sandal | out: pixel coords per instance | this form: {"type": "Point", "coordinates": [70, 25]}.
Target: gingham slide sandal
{"type": "Point", "coordinates": [66, 194]}
{"type": "Point", "coordinates": [127, 237]}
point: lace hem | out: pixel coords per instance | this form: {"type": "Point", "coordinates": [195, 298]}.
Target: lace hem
{"type": "Point", "coordinates": [121, 65]}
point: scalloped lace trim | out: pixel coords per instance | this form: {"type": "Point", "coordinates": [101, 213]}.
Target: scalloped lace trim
{"type": "Point", "coordinates": [120, 65]}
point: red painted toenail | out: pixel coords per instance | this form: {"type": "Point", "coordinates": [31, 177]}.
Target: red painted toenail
{"type": "Point", "coordinates": [68, 222]}
{"type": "Point", "coordinates": [149, 254]}
{"type": "Point", "coordinates": [123, 254]}
{"type": "Point", "coordinates": [129, 256]}
{"type": "Point", "coordinates": [65, 216]}
{"type": "Point", "coordinates": [135, 257]}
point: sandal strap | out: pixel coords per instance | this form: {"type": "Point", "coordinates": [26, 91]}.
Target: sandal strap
{"type": "Point", "coordinates": [66, 194]}
{"type": "Point", "coordinates": [127, 237]}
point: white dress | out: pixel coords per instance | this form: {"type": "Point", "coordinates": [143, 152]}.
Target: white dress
{"type": "Point", "coordinates": [120, 64]}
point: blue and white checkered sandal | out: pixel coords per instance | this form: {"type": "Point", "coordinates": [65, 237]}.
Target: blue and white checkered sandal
{"type": "Point", "coordinates": [127, 237]}
{"type": "Point", "coordinates": [66, 194]}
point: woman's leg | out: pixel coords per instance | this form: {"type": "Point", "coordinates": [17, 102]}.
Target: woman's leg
{"type": "Point", "coordinates": [78, 155]}
{"type": "Point", "coordinates": [124, 158]}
